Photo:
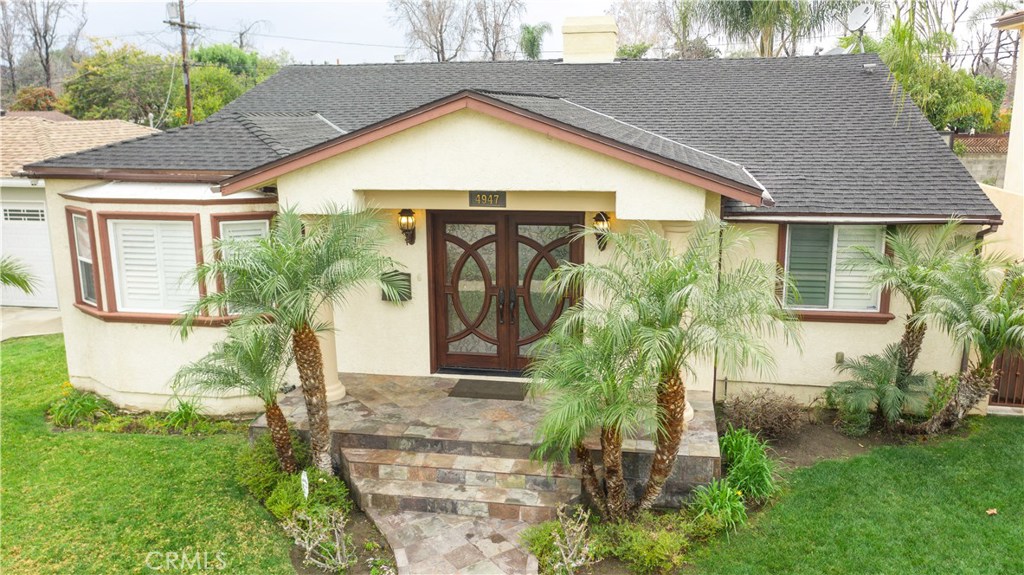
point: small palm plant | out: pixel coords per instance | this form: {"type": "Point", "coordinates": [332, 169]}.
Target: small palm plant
{"type": "Point", "coordinates": [876, 384]}
{"type": "Point", "coordinates": [981, 306]}
{"type": "Point", "coordinates": [15, 274]}
{"type": "Point", "coordinates": [287, 277]}
{"type": "Point", "coordinates": [908, 266]}
{"type": "Point", "coordinates": [252, 360]}
{"type": "Point", "coordinates": [669, 311]}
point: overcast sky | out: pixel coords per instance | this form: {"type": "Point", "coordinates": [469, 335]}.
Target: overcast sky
{"type": "Point", "coordinates": [337, 31]}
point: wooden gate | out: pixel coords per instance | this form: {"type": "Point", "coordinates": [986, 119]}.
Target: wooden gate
{"type": "Point", "coordinates": [1010, 385]}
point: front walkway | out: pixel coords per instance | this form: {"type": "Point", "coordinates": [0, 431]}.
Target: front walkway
{"type": "Point", "coordinates": [450, 481]}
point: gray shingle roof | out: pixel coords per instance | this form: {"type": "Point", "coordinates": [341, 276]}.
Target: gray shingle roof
{"type": "Point", "coordinates": [821, 134]}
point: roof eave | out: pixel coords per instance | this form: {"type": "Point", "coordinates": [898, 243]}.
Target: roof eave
{"type": "Point", "coordinates": [1010, 21]}
{"type": "Point", "coordinates": [124, 174]}
{"type": "Point", "coordinates": [797, 217]}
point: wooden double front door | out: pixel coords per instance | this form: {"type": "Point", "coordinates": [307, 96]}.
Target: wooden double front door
{"type": "Point", "coordinates": [487, 274]}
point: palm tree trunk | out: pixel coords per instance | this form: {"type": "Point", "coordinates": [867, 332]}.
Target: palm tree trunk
{"type": "Point", "coordinates": [281, 437]}
{"type": "Point", "coordinates": [672, 410]}
{"type": "Point", "coordinates": [975, 385]}
{"type": "Point", "coordinates": [589, 478]}
{"type": "Point", "coordinates": [615, 483]}
{"type": "Point", "coordinates": [310, 364]}
{"type": "Point", "coordinates": [910, 346]}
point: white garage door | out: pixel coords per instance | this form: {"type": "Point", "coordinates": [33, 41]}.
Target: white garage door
{"type": "Point", "coordinates": [25, 236]}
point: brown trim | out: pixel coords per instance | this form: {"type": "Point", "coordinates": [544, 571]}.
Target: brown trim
{"type": "Point", "coordinates": [108, 269]}
{"type": "Point", "coordinates": [832, 316]}
{"type": "Point", "coordinates": [128, 175]}
{"type": "Point", "coordinates": [216, 219]}
{"type": "Point", "coordinates": [168, 202]}
{"type": "Point", "coordinates": [502, 111]}
{"type": "Point", "coordinates": [825, 218]}
{"type": "Point", "coordinates": [846, 316]}
{"type": "Point", "coordinates": [69, 212]}
{"type": "Point", "coordinates": [1010, 21]}
{"type": "Point", "coordinates": [152, 318]}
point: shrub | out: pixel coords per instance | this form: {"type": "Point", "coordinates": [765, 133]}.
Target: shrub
{"type": "Point", "coordinates": [320, 533]}
{"type": "Point", "coordinates": [721, 501]}
{"type": "Point", "coordinates": [852, 421]}
{"type": "Point", "coordinates": [257, 468]}
{"type": "Point", "coordinates": [765, 412]}
{"type": "Point", "coordinates": [186, 417]}
{"type": "Point", "coordinates": [540, 541]}
{"type": "Point", "coordinates": [942, 391]}
{"type": "Point", "coordinates": [649, 544]}
{"type": "Point", "coordinates": [76, 407]}
{"type": "Point", "coordinates": [324, 491]}
{"type": "Point", "coordinates": [876, 384]}
{"type": "Point", "coordinates": [704, 527]}
{"type": "Point", "coordinates": [748, 467]}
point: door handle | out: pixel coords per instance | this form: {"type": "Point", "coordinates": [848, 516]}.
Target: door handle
{"type": "Point", "coordinates": [501, 305]}
{"type": "Point", "coordinates": [512, 305]}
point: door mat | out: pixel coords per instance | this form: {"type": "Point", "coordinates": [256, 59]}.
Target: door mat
{"type": "Point", "coordinates": [489, 389]}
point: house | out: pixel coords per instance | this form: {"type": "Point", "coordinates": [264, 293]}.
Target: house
{"type": "Point", "coordinates": [486, 166]}
{"type": "Point", "coordinates": [27, 137]}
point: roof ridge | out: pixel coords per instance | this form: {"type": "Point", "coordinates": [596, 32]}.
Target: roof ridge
{"type": "Point", "coordinates": [511, 93]}
{"type": "Point", "coordinates": [261, 134]}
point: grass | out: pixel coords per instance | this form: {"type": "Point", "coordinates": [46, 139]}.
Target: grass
{"type": "Point", "coordinates": [901, 510]}
{"type": "Point", "coordinates": [91, 502]}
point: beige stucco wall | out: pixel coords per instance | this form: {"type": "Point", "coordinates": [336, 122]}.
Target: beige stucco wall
{"type": "Point", "coordinates": [1009, 238]}
{"type": "Point", "coordinates": [806, 370]}
{"type": "Point", "coordinates": [130, 363]}
{"type": "Point", "coordinates": [1014, 178]}
{"type": "Point", "coordinates": [468, 150]}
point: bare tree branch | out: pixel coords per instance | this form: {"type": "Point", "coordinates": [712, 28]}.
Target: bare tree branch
{"type": "Point", "coordinates": [441, 27]}
{"type": "Point", "coordinates": [498, 21]}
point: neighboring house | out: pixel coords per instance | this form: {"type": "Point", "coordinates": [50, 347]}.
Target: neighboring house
{"type": "Point", "coordinates": [27, 137]}
{"type": "Point", "coordinates": [496, 162]}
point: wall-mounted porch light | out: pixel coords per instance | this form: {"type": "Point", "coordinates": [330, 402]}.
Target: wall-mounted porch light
{"type": "Point", "coordinates": [602, 227]}
{"type": "Point", "coordinates": [407, 223]}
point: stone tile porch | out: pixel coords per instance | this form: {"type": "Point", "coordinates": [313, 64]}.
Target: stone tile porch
{"type": "Point", "coordinates": [455, 474]}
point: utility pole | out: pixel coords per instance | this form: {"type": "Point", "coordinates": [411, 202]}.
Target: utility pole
{"type": "Point", "coordinates": [183, 26]}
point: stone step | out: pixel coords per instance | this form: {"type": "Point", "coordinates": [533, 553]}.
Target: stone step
{"type": "Point", "coordinates": [460, 470]}
{"type": "Point", "coordinates": [408, 441]}
{"type": "Point", "coordinates": [476, 501]}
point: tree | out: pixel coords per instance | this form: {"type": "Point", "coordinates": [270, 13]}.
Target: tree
{"type": "Point", "coordinates": [444, 28]}
{"type": "Point", "coordinates": [236, 60]}
{"type": "Point", "coordinates": [980, 303]}
{"type": "Point", "coordinates": [684, 21]}
{"type": "Point", "coordinates": [287, 277]}
{"type": "Point", "coordinates": [35, 99]}
{"type": "Point", "coordinates": [15, 274]}
{"type": "Point", "coordinates": [639, 23]}
{"type": "Point", "coordinates": [252, 360]}
{"type": "Point", "coordinates": [124, 83]}
{"type": "Point", "coordinates": [774, 27]}
{"type": "Point", "coordinates": [213, 87]}
{"type": "Point", "coordinates": [669, 312]}
{"type": "Point", "coordinates": [42, 20]}
{"type": "Point", "coordinates": [10, 42]}
{"type": "Point", "coordinates": [496, 20]}
{"type": "Point", "coordinates": [908, 266]}
{"type": "Point", "coordinates": [876, 382]}
{"type": "Point", "coordinates": [632, 51]}
{"type": "Point", "coordinates": [531, 39]}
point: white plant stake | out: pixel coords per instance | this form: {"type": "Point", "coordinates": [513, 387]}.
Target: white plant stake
{"type": "Point", "coordinates": [305, 485]}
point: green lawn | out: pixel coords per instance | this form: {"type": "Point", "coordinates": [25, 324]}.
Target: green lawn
{"type": "Point", "coordinates": [83, 502]}
{"type": "Point", "coordinates": [903, 510]}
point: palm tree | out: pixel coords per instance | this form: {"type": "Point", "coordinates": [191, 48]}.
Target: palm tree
{"type": "Point", "coordinates": [912, 259]}
{"type": "Point", "coordinates": [676, 309]}
{"type": "Point", "coordinates": [595, 386]}
{"type": "Point", "coordinates": [13, 273]}
{"type": "Point", "coordinates": [253, 360]}
{"type": "Point", "coordinates": [877, 383]}
{"type": "Point", "coordinates": [982, 307]}
{"type": "Point", "coordinates": [774, 25]}
{"type": "Point", "coordinates": [531, 39]}
{"type": "Point", "coordinates": [300, 267]}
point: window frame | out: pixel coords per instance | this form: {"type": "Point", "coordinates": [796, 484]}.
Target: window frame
{"type": "Point", "coordinates": [215, 229]}
{"type": "Point", "coordinates": [70, 213]}
{"type": "Point", "coordinates": [882, 315]}
{"type": "Point", "coordinates": [105, 220]}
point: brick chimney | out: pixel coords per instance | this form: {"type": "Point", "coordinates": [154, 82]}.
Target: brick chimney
{"type": "Point", "coordinates": [589, 40]}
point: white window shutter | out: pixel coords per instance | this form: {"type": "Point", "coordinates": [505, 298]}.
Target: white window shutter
{"type": "Point", "coordinates": [244, 230]}
{"type": "Point", "coordinates": [852, 289]}
{"type": "Point", "coordinates": [152, 260]}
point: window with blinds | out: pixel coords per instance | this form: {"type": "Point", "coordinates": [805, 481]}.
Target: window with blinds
{"type": "Point", "coordinates": [151, 261]}
{"type": "Point", "coordinates": [822, 262]}
{"type": "Point", "coordinates": [241, 230]}
{"type": "Point", "coordinates": [83, 258]}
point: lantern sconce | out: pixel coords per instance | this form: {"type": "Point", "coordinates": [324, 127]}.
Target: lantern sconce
{"type": "Point", "coordinates": [602, 227]}
{"type": "Point", "coordinates": [407, 223]}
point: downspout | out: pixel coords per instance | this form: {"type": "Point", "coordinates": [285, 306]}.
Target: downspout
{"type": "Point", "coordinates": [714, 368]}
{"type": "Point", "coordinates": [979, 237]}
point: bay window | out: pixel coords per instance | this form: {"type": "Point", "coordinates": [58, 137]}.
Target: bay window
{"type": "Point", "coordinates": [151, 261]}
